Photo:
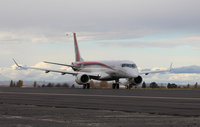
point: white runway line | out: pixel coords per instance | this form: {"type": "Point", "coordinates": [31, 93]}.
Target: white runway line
{"type": "Point", "coordinates": [111, 96]}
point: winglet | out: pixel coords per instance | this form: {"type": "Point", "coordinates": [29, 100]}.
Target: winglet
{"type": "Point", "coordinates": [16, 63]}
{"type": "Point", "coordinates": [170, 67]}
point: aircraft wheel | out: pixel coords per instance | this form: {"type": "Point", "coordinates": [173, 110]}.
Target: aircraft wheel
{"type": "Point", "coordinates": [84, 86]}
{"type": "Point", "coordinates": [117, 86]}
{"type": "Point", "coordinates": [129, 87]}
{"type": "Point", "coordinates": [88, 85]}
{"type": "Point", "coordinates": [114, 85]}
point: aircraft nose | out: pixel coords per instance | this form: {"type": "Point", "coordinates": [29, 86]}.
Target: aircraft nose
{"type": "Point", "coordinates": [132, 72]}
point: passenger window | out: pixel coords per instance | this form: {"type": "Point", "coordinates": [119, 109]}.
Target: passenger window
{"type": "Point", "coordinates": [129, 65]}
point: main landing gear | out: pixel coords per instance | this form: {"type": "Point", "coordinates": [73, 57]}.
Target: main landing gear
{"type": "Point", "coordinates": [86, 86]}
{"type": "Point", "coordinates": [116, 84]}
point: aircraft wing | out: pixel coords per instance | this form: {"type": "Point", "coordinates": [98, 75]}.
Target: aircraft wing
{"type": "Point", "coordinates": [59, 64]}
{"type": "Point", "coordinates": [156, 71]}
{"type": "Point", "coordinates": [58, 71]}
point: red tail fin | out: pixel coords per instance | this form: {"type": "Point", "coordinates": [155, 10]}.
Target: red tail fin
{"type": "Point", "coordinates": [77, 53]}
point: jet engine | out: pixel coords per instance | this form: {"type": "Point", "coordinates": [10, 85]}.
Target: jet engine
{"type": "Point", "coordinates": [82, 78]}
{"type": "Point", "coordinates": [136, 81]}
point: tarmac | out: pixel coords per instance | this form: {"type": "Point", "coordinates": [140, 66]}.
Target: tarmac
{"type": "Point", "coordinates": [64, 107]}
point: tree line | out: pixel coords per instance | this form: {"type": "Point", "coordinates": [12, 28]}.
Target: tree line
{"type": "Point", "coordinates": [169, 85]}
{"type": "Point", "coordinates": [102, 84]}
{"type": "Point", "coordinates": [65, 85]}
{"type": "Point", "coordinates": [16, 84]}
{"type": "Point", "coordinates": [21, 84]}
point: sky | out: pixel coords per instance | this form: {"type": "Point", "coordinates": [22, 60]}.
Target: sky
{"type": "Point", "coordinates": [152, 33]}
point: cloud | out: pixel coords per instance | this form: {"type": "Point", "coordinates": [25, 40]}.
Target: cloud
{"type": "Point", "coordinates": [117, 20]}
{"type": "Point", "coordinates": [42, 65]}
{"type": "Point", "coordinates": [5, 52]}
{"type": "Point", "coordinates": [15, 73]}
{"type": "Point", "coordinates": [180, 75]}
{"type": "Point", "coordinates": [14, 67]}
{"type": "Point", "coordinates": [181, 78]}
{"type": "Point", "coordinates": [25, 36]}
{"type": "Point", "coordinates": [157, 68]}
{"type": "Point", "coordinates": [179, 70]}
{"type": "Point", "coordinates": [186, 40]}
{"type": "Point", "coordinates": [65, 68]}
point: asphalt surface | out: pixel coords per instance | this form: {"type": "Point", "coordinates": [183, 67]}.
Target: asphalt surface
{"type": "Point", "coordinates": [33, 107]}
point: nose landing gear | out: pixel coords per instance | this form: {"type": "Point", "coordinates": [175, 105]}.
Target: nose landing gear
{"type": "Point", "coordinates": [129, 86]}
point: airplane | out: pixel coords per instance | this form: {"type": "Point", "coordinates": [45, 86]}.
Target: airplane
{"type": "Point", "coordinates": [107, 70]}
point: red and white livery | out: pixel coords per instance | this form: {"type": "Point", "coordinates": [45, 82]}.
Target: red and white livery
{"type": "Point", "coordinates": [108, 70]}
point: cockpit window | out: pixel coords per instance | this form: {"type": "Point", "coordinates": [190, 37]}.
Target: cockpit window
{"type": "Point", "coordinates": [129, 65]}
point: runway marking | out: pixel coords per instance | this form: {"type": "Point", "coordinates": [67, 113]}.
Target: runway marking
{"type": "Point", "coordinates": [111, 96]}
{"type": "Point", "coordinates": [32, 118]}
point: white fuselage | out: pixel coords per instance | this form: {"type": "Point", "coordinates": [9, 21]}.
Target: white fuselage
{"type": "Point", "coordinates": [109, 70]}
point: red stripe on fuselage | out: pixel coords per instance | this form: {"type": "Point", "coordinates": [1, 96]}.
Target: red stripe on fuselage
{"type": "Point", "coordinates": [95, 63]}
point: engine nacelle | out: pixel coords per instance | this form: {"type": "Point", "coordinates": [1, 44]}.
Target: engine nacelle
{"type": "Point", "coordinates": [136, 81]}
{"type": "Point", "coordinates": [82, 78]}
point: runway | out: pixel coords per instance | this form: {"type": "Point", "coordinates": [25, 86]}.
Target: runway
{"type": "Point", "coordinates": [98, 107]}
